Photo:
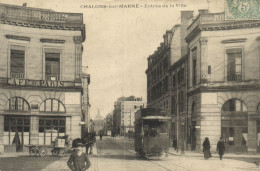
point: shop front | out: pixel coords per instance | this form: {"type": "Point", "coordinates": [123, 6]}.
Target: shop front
{"type": "Point", "coordinates": [234, 125]}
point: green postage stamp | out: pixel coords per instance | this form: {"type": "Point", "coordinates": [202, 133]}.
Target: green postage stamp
{"type": "Point", "coordinates": [242, 9]}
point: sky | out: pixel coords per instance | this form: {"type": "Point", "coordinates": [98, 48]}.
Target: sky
{"type": "Point", "coordinates": [119, 41]}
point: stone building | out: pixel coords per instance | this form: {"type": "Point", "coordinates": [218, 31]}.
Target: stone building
{"type": "Point", "coordinates": [124, 113]}
{"type": "Point", "coordinates": [41, 76]}
{"type": "Point", "coordinates": [224, 81]}
{"type": "Point", "coordinates": [167, 77]}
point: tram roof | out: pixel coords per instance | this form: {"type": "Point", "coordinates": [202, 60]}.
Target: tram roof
{"type": "Point", "coordinates": [156, 117]}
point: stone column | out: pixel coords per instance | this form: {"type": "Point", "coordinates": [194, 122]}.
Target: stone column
{"type": "Point", "coordinates": [34, 130]}
{"type": "Point", "coordinates": [1, 134]}
{"type": "Point", "coordinates": [78, 54]}
{"type": "Point", "coordinates": [203, 59]}
{"type": "Point", "coordinates": [252, 135]}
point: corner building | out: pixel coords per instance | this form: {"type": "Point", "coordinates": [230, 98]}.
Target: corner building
{"type": "Point", "coordinates": [223, 82]}
{"type": "Point", "coordinates": [40, 80]}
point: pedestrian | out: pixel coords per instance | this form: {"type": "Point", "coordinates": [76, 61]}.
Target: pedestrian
{"type": "Point", "coordinates": [100, 135]}
{"type": "Point", "coordinates": [206, 148]}
{"type": "Point", "coordinates": [221, 148]}
{"type": "Point", "coordinates": [88, 142]}
{"type": "Point", "coordinates": [78, 160]}
{"type": "Point", "coordinates": [174, 143]}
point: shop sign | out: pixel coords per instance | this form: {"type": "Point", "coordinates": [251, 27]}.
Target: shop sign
{"type": "Point", "coordinates": [39, 83]}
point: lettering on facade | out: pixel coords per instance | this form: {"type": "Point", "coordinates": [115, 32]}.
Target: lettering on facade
{"type": "Point", "coordinates": [34, 106]}
{"type": "Point", "coordinates": [39, 83]}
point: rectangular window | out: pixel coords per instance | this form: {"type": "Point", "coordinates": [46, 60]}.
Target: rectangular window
{"type": "Point", "coordinates": [234, 64]}
{"type": "Point", "coordinates": [173, 80]}
{"type": "Point", "coordinates": [52, 63]}
{"type": "Point", "coordinates": [194, 66]}
{"type": "Point", "coordinates": [17, 63]}
{"type": "Point", "coordinates": [181, 101]}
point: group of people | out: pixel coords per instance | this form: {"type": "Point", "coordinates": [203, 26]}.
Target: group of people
{"type": "Point", "coordinates": [79, 160]}
{"type": "Point", "coordinates": [220, 148]}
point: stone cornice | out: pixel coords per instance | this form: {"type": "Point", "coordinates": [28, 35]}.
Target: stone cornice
{"type": "Point", "coordinates": [52, 41]}
{"type": "Point", "coordinates": [233, 41]}
{"type": "Point", "coordinates": [221, 26]}
{"type": "Point", "coordinates": [41, 18]}
{"type": "Point", "coordinates": [24, 38]}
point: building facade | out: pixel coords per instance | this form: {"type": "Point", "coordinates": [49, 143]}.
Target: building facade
{"type": "Point", "coordinates": [224, 82]}
{"type": "Point", "coordinates": [167, 77]}
{"type": "Point", "coordinates": [41, 76]}
{"type": "Point", "coordinates": [124, 113]}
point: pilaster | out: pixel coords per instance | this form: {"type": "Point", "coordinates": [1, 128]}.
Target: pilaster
{"type": "Point", "coordinates": [34, 130]}
{"type": "Point", "coordinates": [78, 54]}
{"type": "Point", "coordinates": [203, 59]}
{"type": "Point", "coordinates": [1, 134]}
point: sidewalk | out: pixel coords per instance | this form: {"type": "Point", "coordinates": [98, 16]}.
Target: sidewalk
{"type": "Point", "coordinates": [172, 151]}
{"type": "Point", "coordinates": [14, 154]}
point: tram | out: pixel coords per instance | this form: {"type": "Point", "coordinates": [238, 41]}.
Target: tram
{"type": "Point", "coordinates": [151, 133]}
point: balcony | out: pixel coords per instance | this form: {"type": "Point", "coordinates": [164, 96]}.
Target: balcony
{"type": "Point", "coordinates": [17, 75]}
{"type": "Point", "coordinates": [234, 77]}
{"type": "Point", "coordinates": [52, 77]}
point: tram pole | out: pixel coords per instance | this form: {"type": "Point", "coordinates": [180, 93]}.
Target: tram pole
{"type": "Point", "coordinates": [177, 120]}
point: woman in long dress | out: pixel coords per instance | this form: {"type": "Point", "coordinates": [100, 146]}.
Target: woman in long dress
{"type": "Point", "coordinates": [206, 148]}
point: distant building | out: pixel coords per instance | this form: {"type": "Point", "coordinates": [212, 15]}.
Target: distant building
{"type": "Point", "coordinates": [41, 82]}
{"type": "Point", "coordinates": [98, 123]}
{"type": "Point", "coordinates": [109, 123]}
{"type": "Point", "coordinates": [124, 113]}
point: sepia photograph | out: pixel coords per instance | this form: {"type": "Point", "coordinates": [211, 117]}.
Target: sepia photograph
{"type": "Point", "coordinates": [129, 85]}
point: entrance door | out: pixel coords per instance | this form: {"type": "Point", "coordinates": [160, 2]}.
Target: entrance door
{"type": "Point", "coordinates": [193, 135]}
{"type": "Point", "coordinates": [16, 132]}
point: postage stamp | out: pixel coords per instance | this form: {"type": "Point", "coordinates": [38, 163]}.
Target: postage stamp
{"type": "Point", "coordinates": [242, 9]}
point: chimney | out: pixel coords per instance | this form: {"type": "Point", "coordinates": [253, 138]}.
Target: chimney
{"type": "Point", "coordinates": [185, 15]}
{"type": "Point", "coordinates": [203, 11]}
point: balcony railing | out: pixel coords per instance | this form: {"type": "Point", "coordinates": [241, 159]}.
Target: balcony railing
{"type": "Point", "coordinates": [234, 78]}
{"type": "Point", "coordinates": [53, 77]}
{"type": "Point", "coordinates": [36, 15]}
{"type": "Point", "coordinates": [17, 75]}
{"type": "Point", "coordinates": [205, 19]}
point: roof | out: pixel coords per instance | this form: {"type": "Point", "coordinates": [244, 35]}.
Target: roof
{"type": "Point", "coordinates": [156, 117]}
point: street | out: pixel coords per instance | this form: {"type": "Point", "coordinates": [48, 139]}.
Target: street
{"type": "Point", "coordinates": [118, 154]}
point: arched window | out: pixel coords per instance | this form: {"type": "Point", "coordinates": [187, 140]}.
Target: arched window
{"type": "Point", "coordinates": [193, 108]}
{"type": "Point", "coordinates": [234, 105]}
{"type": "Point", "coordinates": [18, 103]}
{"type": "Point", "coordinates": [52, 105]}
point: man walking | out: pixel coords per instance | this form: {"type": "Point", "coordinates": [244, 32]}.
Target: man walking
{"type": "Point", "coordinates": [221, 148]}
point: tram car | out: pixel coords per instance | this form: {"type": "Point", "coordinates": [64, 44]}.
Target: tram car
{"type": "Point", "coordinates": [151, 133]}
